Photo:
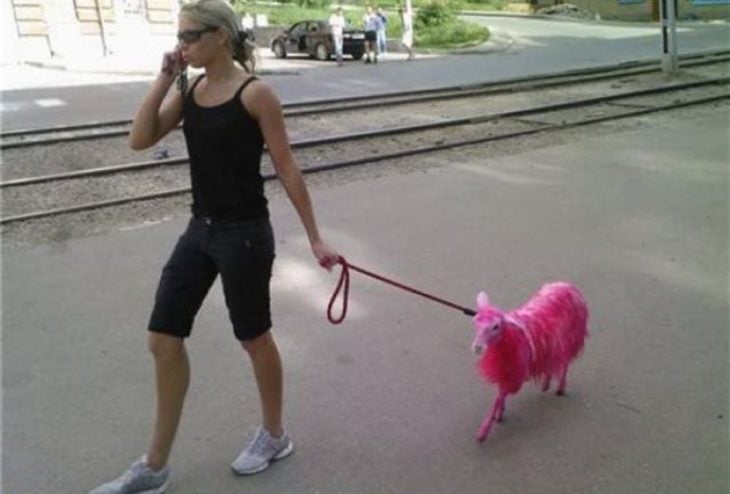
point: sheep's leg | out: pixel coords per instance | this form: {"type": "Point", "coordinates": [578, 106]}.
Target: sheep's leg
{"type": "Point", "coordinates": [500, 412]}
{"type": "Point", "coordinates": [563, 381]}
{"type": "Point", "coordinates": [489, 418]}
{"type": "Point", "coordinates": [546, 383]}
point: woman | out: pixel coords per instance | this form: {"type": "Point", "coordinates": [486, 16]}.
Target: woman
{"type": "Point", "coordinates": [227, 115]}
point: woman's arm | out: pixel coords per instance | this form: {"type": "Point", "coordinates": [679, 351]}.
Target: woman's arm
{"type": "Point", "coordinates": [265, 107]}
{"type": "Point", "coordinates": [156, 115]}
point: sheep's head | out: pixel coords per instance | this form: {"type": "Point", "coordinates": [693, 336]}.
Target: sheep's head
{"type": "Point", "coordinates": [488, 323]}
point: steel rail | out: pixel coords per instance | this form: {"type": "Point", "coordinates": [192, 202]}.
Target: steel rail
{"type": "Point", "coordinates": [389, 131]}
{"type": "Point", "coordinates": [389, 156]}
{"type": "Point", "coordinates": [516, 84]}
{"type": "Point", "coordinates": [498, 87]}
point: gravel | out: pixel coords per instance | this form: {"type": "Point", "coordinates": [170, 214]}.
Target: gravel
{"type": "Point", "coordinates": [61, 228]}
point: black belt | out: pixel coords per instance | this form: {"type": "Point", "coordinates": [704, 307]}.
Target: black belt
{"type": "Point", "coordinates": [212, 220]}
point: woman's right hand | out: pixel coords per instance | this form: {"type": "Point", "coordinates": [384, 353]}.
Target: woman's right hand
{"type": "Point", "coordinates": [172, 63]}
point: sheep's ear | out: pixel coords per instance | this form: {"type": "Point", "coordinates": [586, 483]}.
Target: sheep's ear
{"type": "Point", "coordinates": [482, 300]}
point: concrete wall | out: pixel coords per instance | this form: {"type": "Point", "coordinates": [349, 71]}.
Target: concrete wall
{"type": "Point", "coordinates": [9, 36]}
{"type": "Point", "coordinates": [637, 10]}
{"type": "Point", "coordinates": [36, 30]}
{"type": "Point", "coordinates": [649, 9]}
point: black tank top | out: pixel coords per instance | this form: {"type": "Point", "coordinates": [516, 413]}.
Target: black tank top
{"type": "Point", "coordinates": [225, 146]}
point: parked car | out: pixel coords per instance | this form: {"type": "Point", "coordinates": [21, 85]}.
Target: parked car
{"type": "Point", "coordinates": [315, 39]}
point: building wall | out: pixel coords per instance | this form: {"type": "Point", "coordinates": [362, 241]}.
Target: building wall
{"type": "Point", "coordinates": [645, 9]}
{"type": "Point", "coordinates": [649, 9]}
{"type": "Point", "coordinates": [43, 29]}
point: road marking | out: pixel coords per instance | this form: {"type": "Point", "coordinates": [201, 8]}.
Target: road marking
{"type": "Point", "coordinates": [8, 107]}
{"type": "Point", "coordinates": [49, 102]}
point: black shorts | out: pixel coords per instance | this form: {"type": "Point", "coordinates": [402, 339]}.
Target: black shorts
{"type": "Point", "coordinates": [242, 252]}
{"type": "Point", "coordinates": [371, 35]}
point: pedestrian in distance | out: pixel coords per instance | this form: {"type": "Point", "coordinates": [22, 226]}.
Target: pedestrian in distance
{"type": "Point", "coordinates": [228, 114]}
{"type": "Point", "coordinates": [370, 24]}
{"type": "Point", "coordinates": [406, 17]}
{"type": "Point", "coordinates": [337, 24]}
{"type": "Point", "coordinates": [382, 31]}
{"type": "Point", "coordinates": [247, 22]}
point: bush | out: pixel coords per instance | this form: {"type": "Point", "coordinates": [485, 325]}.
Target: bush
{"type": "Point", "coordinates": [485, 4]}
{"type": "Point", "coordinates": [435, 13]}
{"type": "Point", "coordinates": [437, 26]}
{"type": "Point", "coordinates": [283, 15]}
{"type": "Point", "coordinates": [453, 34]}
{"type": "Point", "coordinates": [318, 4]}
{"type": "Point", "coordinates": [436, 23]}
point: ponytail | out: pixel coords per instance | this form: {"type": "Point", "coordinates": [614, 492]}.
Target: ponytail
{"type": "Point", "coordinates": [244, 51]}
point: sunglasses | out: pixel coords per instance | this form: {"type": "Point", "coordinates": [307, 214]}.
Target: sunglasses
{"type": "Point", "coordinates": [194, 35]}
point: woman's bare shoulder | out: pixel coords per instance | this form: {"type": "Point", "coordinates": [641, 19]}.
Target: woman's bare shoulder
{"type": "Point", "coordinates": [259, 97]}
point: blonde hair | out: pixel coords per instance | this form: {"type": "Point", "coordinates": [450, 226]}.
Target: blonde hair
{"type": "Point", "coordinates": [218, 13]}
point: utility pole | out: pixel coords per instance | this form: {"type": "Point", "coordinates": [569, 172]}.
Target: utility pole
{"type": "Point", "coordinates": [668, 11]}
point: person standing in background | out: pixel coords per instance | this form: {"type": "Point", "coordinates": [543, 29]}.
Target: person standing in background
{"type": "Point", "coordinates": [406, 18]}
{"type": "Point", "coordinates": [247, 23]}
{"type": "Point", "coordinates": [337, 24]}
{"type": "Point", "coordinates": [382, 35]}
{"type": "Point", "coordinates": [371, 23]}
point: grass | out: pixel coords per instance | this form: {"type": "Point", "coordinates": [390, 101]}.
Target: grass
{"type": "Point", "coordinates": [457, 34]}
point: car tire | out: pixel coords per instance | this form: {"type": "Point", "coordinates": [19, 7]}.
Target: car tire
{"type": "Point", "coordinates": [278, 49]}
{"type": "Point", "coordinates": [321, 52]}
{"type": "Point", "coordinates": [357, 55]}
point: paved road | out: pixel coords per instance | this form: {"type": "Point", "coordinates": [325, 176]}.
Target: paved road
{"type": "Point", "coordinates": [519, 47]}
{"type": "Point", "coordinates": [389, 401]}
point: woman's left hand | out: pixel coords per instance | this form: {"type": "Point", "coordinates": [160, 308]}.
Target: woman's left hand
{"type": "Point", "coordinates": [326, 256]}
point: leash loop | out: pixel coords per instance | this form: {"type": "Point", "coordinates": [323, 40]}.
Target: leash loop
{"type": "Point", "coordinates": [343, 285]}
{"type": "Point", "coordinates": [344, 281]}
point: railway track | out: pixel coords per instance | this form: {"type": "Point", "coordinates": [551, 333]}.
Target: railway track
{"type": "Point", "coordinates": [30, 198]}
{"type": "Point", "coordinates": [117, 128]}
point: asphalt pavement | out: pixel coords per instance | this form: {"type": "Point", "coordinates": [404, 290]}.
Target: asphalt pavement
{"type": "Point", "coordinates": [389, 401]}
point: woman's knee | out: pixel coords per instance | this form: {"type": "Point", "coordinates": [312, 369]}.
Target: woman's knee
{"type": "Point", "coordinates": [257, 345]}
{"type": "Point", "coordinates": [165, 347]}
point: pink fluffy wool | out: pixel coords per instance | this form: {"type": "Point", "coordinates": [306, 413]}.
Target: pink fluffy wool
{"type": "Point", "coordinates": [538, 341]}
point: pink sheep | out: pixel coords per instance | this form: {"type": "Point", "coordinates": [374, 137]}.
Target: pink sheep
{"type": "Point", "coordinates": [538, 341]}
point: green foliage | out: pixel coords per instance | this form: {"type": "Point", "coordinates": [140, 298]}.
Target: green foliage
{"type": "Point", "coordinates": [316, 4]}
{"type": "Point", "coordinates": [452, 34]}
{"type": "Point", "coordinates": [435, 13]}
{"type": "Point", "coordinates": [284, 14]}
{"type": "Point", "coordinates": [485, 4]}
{"type": "Point", "coordinates": [436, 23]}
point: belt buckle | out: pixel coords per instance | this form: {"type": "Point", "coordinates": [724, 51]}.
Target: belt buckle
{"type": "Point", "coordinates": [207, 220]}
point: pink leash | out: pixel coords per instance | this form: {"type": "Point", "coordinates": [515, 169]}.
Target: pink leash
{"type": "Point", "coordinates": [344, 282]}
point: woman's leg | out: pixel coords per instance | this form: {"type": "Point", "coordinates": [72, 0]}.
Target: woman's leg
{"type": "Point", "coordinates": [172, 372]}
{"type": "Point", "coordinates": [269, 378]}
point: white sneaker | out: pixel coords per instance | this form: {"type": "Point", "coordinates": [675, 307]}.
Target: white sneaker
{"type": "Point", "coordinates": [260, 452]}
{"type": "Point", "coordinates": [138, 479]}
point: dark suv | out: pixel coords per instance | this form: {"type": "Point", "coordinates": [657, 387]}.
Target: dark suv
{"type": "Point", "coordinates": [315, 39]}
